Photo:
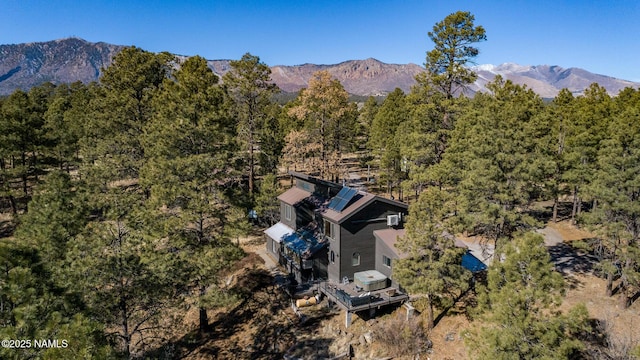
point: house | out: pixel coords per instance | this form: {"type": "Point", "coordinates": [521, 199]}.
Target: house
{"type": "Point", "coordinates": [474, 260]}
{"type": "Point", "coordinates": [386, 251]}
{"type": "Point", "coordinates": [326, 230]}
{"type": "Point", "coordinates": [345, 240]}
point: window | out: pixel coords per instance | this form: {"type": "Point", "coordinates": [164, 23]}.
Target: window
{"type": "Point", "coordinates": [333, 257]}
{"type": "Point", "coordinates": [329, 229]}
{"type": "Point", "coordinates": [274, 246]}
{"type": "Point", "coordinates": [386, 261]}
{"type": "Point", "coordinates": [355, 259]}
{"type": "Point", "coordinates": [287, 211]}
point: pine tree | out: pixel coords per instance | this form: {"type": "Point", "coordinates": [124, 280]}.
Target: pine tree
{"type": "Point", "coordinates": [559, 121]}
{"type": "Point", "coordinates": [267, 203]}
{"type": "Point", "coordinates": [616, 187]}
{"type": "Point", "coordinates": [520, 308]}
{"type": "Point", "coordinates": [453, 40]}
{"type": "Point", "coordinates": [37, 300]}
{"type": "Point", "coordinates": [433, 268]}
{"type": "Point", "coordinates": [593, 113]}
{"type": "Point", "coordinates": [58, 213]}
{"type": "Point", "coordinates": [489, 163]}
{"type": "Point", "coordinates": [20, 125]}
{"type": "Point", "coordinates": [434, 105]}
{"type": "Point", "coordinates": [365, 121]}
{"type": "Point", "coordinates": [120, 108]}
{"type": "Point", "coordinates": [191, 170]}
{"type": "Point", "coordinates": [250, 86]}
{"type": "Point", "coordinates": [64, 123]}
{"type": "Point", "coordinates": [123, 276]}
{"type": "Point", "coordinates": [384, 140]}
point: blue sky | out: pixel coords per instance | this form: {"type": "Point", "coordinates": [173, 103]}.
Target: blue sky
{"type": "Point", "coordinates": [599, 36]}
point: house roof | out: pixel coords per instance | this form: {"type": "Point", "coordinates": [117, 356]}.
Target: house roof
{"type": "Point", "coordinates": [361, 199]}
{"type": "Point", "coordinates": [293, 196]}
{"type": "Point", "coordinates": [279, 231]}
{"type": "Point", "coordinates": [389, 237]}
{"type": "Point", "coordinates": [470, 259]}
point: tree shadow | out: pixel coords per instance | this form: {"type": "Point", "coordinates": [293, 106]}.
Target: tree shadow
{"type": "Point", "coordinates": [261, 299]}
{"type": "Point", "coordinates": [7, 227]}
{"type": "Point", "coordinates": [568, 260]}
{"type": "Point", "coordinates": [595, 339]}
{"type": "Point", "coordinates": [467, 299]}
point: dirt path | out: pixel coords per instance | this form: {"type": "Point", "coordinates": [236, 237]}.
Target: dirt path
{"type": "Point", "coordinates": [566, 258]}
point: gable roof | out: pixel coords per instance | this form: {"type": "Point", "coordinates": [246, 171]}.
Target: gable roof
{"type": "Point", "coordinates": [358, 202]}
{"type": "Point", "coordinates": [361, 200]}
{"type": "Point", "coordinates": [293, 196]}
{"type": "Point", "coordinates": [390, 237]}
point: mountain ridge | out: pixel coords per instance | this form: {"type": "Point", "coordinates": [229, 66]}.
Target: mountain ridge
{"type": "Point", "coordinates": [23, 66]}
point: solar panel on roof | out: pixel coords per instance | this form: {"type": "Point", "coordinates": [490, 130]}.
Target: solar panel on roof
{"type": "Point", "coordinates": [340, 201]}
{"type": "Point", "coordinates": [333, 203]}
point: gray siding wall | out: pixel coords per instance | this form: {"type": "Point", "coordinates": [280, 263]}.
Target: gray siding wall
{"type": "Point", "coordinates": [333, 269]}
{"type": "Point", "coordinates": [356, 235]}
{"type": "Point", "coordinates": [362, 242]}
{"type": "Point", "coordinates": [270, 243]}
{"type": "Point", "coordinates": [383, 250]}
{"type": "Point", "coordinates": [290, 223]}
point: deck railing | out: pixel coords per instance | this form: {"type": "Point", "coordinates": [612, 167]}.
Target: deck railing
{"type": "Point", "coordinates": [363, 301]}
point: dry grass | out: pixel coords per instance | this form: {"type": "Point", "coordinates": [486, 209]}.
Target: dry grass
{"type": "Point", "coordinates": [570, 232]}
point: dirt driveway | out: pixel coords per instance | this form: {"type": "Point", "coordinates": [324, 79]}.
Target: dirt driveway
{"type": "Point", "coordinates": [565, 257]}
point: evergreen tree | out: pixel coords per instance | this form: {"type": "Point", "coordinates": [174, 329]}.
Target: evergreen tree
{"type": "Point", "coordinates": [453, 40]}
{"type": "Point", "coordinates": [433, 268]}
{"type": "Point", "coordinates": [616, 186]}
{"type": "Point", "coordinates": [271, 140]}
{"type": "Point", "coordinates": [520, 308]}
{"type": "Point", "coordinates": [31, 309]}
{"type": "Point", "coordinates": [385, 139]}
{"type": "Point", "coordinates": [250, 86]}
{"type": "Point", "coordinates": [20, 128]}
{"type": "Point", "coordinates": [64, 123]}
{"type": "Point", "coordinates": [489, 163]}
{"type": "Point", "coordinates": [365, 121]}
{"type": "Point", "coordinates": [117, 261]}
{"type": "Point", "coordinates": [58, 213]}
{"type": "Point", "coordinates": [191, 170]}
{"type": "Point", "coordinates": [561, 119]}
{"type": "Point", "coordinates": [594, 110]}
{"type": "Point", "coordinates": [120, 108]}
{"type": "Point", "coordinates": [125, 277]}
{"type": "Point", "coordinates": [434, 106]}
{"type": "Point", "coordinates": [267, 203]}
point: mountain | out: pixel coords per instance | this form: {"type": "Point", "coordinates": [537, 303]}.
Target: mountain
{"type": "Point", "coordinates": [23, 66]}
{"type": "Point", "coordinates": [360, 77]}
{"type": "Point", "coordinates": [547, 80]}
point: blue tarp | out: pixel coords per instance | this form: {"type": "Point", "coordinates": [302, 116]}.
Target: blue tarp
{"type": "Point", "coordinates": [472, 263]}
{"type": "Point", "coordinates": [303, 242]}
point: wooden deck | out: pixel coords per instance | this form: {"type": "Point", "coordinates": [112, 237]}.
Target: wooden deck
{"type": "Point", "coordinates": [352, 299]}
